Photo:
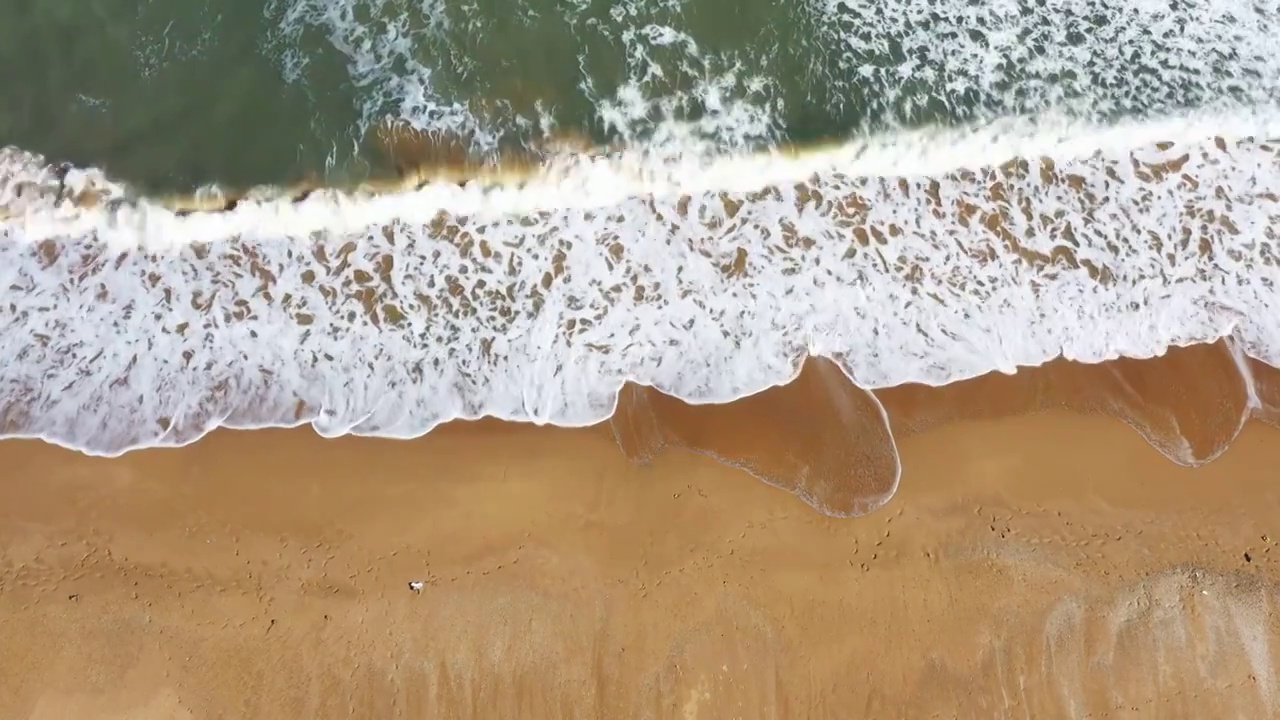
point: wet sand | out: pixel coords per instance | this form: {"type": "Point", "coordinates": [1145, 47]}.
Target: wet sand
{"type": "Point", "coordinates": [1039, 559]}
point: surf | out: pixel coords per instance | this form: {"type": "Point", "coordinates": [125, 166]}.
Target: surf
{"type": "Point", "coordinates": [922, 257]}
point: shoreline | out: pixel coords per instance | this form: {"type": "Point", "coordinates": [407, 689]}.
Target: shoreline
{"type": "Point", "coordinates": [250, 319]}
{"type": "Point", "coordinates": [1047, 564]}
{"type": "Point", "coordinates": [826, 424]}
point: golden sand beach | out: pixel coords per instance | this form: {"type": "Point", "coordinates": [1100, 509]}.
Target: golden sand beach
{"type": "Point", "coordinates": [1040, 559]}
{"type": "Point", "coordinates": [378, 221]}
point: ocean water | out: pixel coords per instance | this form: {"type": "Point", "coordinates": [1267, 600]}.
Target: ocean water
{"type": "Point", "coordinates": [705, 194]}
{"type": "Point", "coordinates": [176, 94]}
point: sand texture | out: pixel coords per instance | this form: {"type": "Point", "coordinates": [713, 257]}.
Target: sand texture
{"type": "Point", "coordinates": [1051, 564]}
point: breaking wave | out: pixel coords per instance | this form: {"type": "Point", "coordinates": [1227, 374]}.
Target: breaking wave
{"type": "Point", "coordinates": [126, 324]}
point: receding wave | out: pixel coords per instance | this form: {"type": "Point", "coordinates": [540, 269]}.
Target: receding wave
{"type": "Point", "coordinates": [912, 259]}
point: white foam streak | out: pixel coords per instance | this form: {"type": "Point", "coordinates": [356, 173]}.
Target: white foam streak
{"type": "Point", "coordinates": [595, 183]}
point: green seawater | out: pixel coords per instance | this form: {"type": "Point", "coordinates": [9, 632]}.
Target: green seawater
{"type": "Point", "coordinates": [174, 94]}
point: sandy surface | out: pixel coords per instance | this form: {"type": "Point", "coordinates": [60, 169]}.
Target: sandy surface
{"type": "Point", "coordinates": [1040, 566]}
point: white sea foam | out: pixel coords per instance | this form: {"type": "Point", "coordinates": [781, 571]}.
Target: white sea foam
{"type": "Point", "coordinates": [1099, 57]}
{"type": "Point", "coordinates": [124, 325]}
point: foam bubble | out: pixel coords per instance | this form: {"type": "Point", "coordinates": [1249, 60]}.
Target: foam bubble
{"type": "Point", "coordinates": [127, 325]}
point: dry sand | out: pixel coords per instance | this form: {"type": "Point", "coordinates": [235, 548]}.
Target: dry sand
{"type": "Point", "coordinates": [1038, 564]}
